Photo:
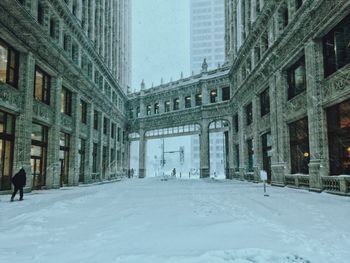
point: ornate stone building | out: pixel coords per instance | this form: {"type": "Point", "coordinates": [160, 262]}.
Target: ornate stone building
{"type": "Point", "coordinates": [64, 71]}
{"type": "Point", "coordinates": [288, 105]}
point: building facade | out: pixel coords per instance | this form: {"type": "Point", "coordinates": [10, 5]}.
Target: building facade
{"type": "Point", "coordinates": [207, 18]}
{"type": "Point", "coordinates": [288, 110]}
{"type": "Point", "coordinates": [63, 90]}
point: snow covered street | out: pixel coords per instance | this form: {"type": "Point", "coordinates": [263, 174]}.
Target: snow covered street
{"type": "Point", "coordinates": [175, 221]}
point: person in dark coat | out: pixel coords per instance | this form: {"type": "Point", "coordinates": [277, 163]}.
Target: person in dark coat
{"type": "Point", "coordinates": [19, 181]}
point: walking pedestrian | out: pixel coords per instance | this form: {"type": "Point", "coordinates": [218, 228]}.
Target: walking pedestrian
{"type": "Point", "coordinates": [19, 181]}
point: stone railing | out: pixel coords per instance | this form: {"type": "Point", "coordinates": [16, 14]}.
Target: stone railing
{"type": "Point", "coordinates": [249, 176]}
{"type": "Point", "coordinates": [236, 176]}
{"type": "Point", "coordinates": [336, 184]}
{"type": "Point", "coordinates": [297, 180]}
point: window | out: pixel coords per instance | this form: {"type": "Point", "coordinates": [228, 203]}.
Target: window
{"type": "Point", "coordinates": [9, 63]}
{"type": "Point", "coordinates": [38, 154]}
{"type": "Point", "coordinates": [213, 95]}
{"type": "Point", "coordinates": [264, 42]}
{"type": "Point", "coordinates": [94, 158]}
{"type": "Point", "coordinates": [198, 99]}
{"type": "Point", "coordinates": [266, 141]}
{"type": "Point", "coordinates": [264, 102]}
{"type": "Point", "coordinates": [40, 14]}
{"type": "Point", "coordinates": [235, 118]}
{"type": "Point", "coordinates": [113, 130]}
{"type": "Point", "coordinates": [299, 146]}
{"type": "Point", "coordinates": [148, 110]}
{"type": "Point", "coordinates": [249, 113]}
{"type": "Point", "coordinates": [64, 157]}
{"type": "Point", "coordinates": [298, 4]}
{"type": "Point", "coordinates": [296, 78]}
{"type": "Point", "coordinates": [237, 157]}
{"type": "Point", "coordinates": [66, 101]}
{"type": "Point", "coordinates": [188, 102]}
{"type": "Point", "coordinates": [176, 104]}
{"type": "Point", "coordinates": [53, 25]}
{"type": "Point", "coordinates": [96, 120]}
{"type": "Point", "coordinates": [118, 134]}
{"type": "Point", "coordinates": [123, 137]}
{"type": "Point", "coordinates": [167, 106]}
{"type": "Point", "coordinates": [7, 137]}
{"type": "Point", "coordinates": [226, 93]}
{"type": "Point", "coordinates": [338, 122]}
{"type": "Point", "coordinates": [42, 86]}
{"type": "Point", "coordinates": [250, 152]}
{"type": "Point", "coordinates": [83, 111]}
{"type": "Point", "coordinates": [81, 152]}
{"type": "Point", "coordinates": [257, 55]}
{"type": "Point", "coordinates": [156, 108]}
{"type": "Point", "coordinates": [105, 125]}
{"type": "Point", "coordinates": [336, 47]}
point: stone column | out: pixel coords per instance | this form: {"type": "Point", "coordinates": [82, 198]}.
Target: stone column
{"type": "Point", "coordinates": [278, 128]}
{"type": "Point", "coordinates": [219, 94]}
{"type": "Point", "coordinates": [100, 146]}
{"type": "Point", "coordinates": [204, 150]}
{"type": "Point", "coordinates": [53, 173]}
{"type": "Point", "coordinates": [73, 176]}
{"type": "Point", "coordinates": [241, 136]}
{"type": "Point", "coordinates": [316, 115]}
{"type": "Point", "coordinates": [109, 147]}
{"type": "Point", "coordinates": [91, 20]}
{"type": "Point", "coordinates": [142, 154]}
{"type": "Point", "coordinates": [89, 143]}
{"type": "Point", "coordinates": [205, 94]}
{"type": "Point", "coordinates": [256, 136]}
{"type": "Point", "coordinates": [231, 148]}
{"type": "Point", "coordinates": [24, 120]}
{"type": "Point", "coordinates": [193, 102]}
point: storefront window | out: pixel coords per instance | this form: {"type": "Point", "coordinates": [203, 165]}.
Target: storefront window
{"type": "Point", "coordinates": [81, 152]}
{"type": "Point", "coordinates": [299, 146]}
{"type": "Point", "coordinates": [250, 150]}
{"type": "Point", "coordinates": [64, 157]}
{"type": "Point", "coordinates": [38, 154]}
{"type": "Point", "coordinates": [7, 124]}
{"type": "Point", "coordinates": [267, 153]}
{"type": "Point", "coordinates": [338, 120]}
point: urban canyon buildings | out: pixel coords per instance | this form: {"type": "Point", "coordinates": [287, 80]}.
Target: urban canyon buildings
{"type": "Point", "coordinates": [282, 99]}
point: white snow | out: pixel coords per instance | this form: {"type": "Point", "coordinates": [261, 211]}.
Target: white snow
{"type": "Point", "coordinates": [175, 221]}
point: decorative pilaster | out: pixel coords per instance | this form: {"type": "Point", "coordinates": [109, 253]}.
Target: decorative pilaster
{"type": "Point", "coordinates": [89, 144]}
{"type": "Point", "coordinates": [241, 133]}
{"type": "Point", "coordinates": [204, 150]}
{"type": "Point", "coordinates": [142, 154]}
{"type": "Point", "coordinates": [53, 172]}
{"type": "Point", "coordinates": [278, 161]}
{"type": "Point", "coordinates": [316, 116]}
{"type": "Point", "coordinates": [73, 176]}
{"type": "Point", "coordinates": [24, 120]}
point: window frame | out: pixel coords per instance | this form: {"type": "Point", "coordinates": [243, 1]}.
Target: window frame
{"type": "Point", "coordinates": [45, 88]}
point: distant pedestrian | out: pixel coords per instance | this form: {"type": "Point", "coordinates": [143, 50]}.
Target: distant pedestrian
{"type": "Point", "coordinates": [19, 181]}
{"type": "Point", "coordinates": [132, 172]}
{"type": "Point", "coordinates": [174, 172]}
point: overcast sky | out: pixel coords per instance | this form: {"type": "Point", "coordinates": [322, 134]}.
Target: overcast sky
{"type": "Point", "coordinates": [160, 40]}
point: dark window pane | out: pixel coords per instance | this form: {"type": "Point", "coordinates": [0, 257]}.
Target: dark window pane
{"type": "Point", "coordinates": [296, 78]}
{"type": "Point", "coordinates": [299, 146]}
{"type": "Point", "coordinates": [336, 47]}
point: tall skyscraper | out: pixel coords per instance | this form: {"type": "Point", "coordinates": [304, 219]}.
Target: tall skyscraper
{"type": "Point", "coordinates": [208, 41]}
{"type": "Point", "coordinates": [207, 33]}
